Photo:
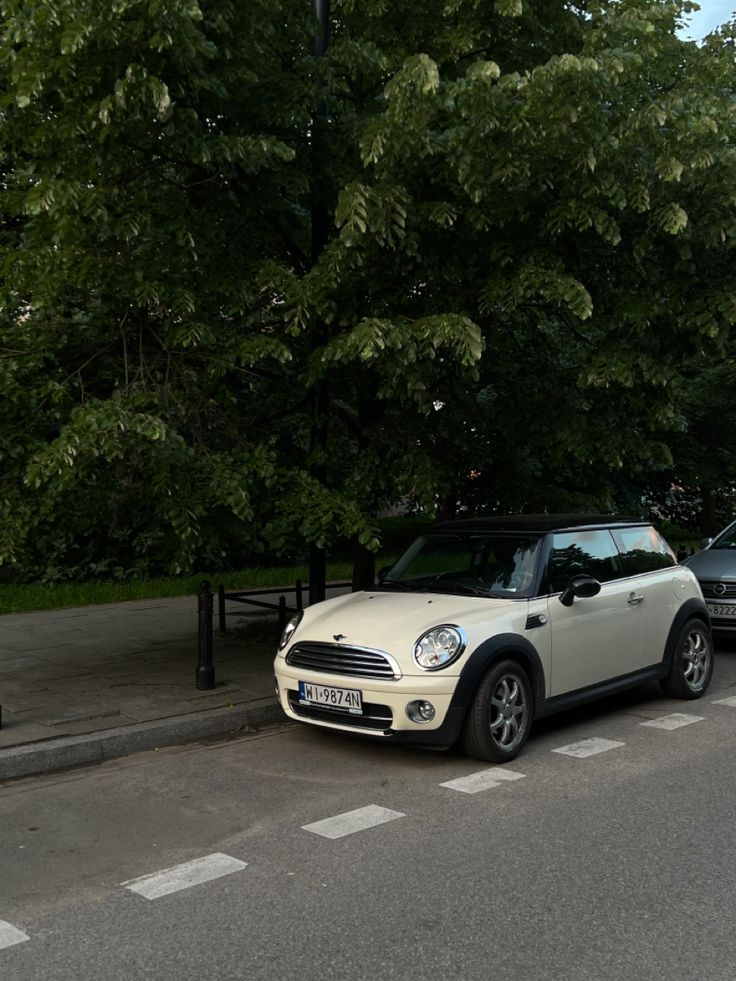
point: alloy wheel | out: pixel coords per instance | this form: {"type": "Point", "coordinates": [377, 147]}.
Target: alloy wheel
{"type": "Point", "coordinates": [509, 712]}
{"type": "Point", "coordinates": [696, 654]}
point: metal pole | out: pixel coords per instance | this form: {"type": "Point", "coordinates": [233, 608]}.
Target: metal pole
{"type": "Point", "coordinates": [205, 673]}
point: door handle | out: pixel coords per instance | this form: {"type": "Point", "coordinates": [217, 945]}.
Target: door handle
{"type": "Point", "coordinates": [635, 599]}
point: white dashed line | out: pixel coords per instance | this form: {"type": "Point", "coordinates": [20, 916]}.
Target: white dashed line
{"type": "Point", "coordinates": [731, 700]}
{"type": "Point", "coordinates": [588, 747]}
{"type": "Point", "coordinates": [352, 821]}
{"type": "Point", "coordinates": [483, 780]}
{"type": "Point", "coordinates": [184, 876]}
{"type": "Point", "coordinates": [674, 721]}
{"type": "Point", "coordinates": [10, 935]}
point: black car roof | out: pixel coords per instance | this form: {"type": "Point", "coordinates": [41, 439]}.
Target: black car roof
{"type": "Point", "coordinates": [539, 523]}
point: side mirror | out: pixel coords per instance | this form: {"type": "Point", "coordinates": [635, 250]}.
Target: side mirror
{"type": "Point", "coordinates": [382, 573]}
{"type": "Point", "coordinates": [581, 586]}
{"type": "Point", "coordinates": [706, 542]}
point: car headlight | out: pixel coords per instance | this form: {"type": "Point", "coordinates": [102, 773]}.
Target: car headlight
{"type": "Point", "coordinates": [439, 647]}
{"type": "Point", "coordinates": [289, 629]}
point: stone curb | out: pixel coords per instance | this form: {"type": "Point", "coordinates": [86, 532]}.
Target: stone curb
{"type": "Point", "coordinates": [96, 747]}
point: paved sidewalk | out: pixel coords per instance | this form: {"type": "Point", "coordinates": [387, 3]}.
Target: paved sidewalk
{"type": "Point", "coordinates": [86, 684]}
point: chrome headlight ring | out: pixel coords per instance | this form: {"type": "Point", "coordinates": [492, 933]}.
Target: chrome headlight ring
{"type": "Point", "coordinates": [290, 629]}
{"type": "Point", "coordinates": [439, 647]}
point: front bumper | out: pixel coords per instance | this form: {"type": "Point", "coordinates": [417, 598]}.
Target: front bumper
{"type": "Point", "coordinates": [384, 704]}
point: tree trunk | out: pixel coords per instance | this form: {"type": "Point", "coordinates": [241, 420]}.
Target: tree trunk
{"type": "Point", "coordinates": [364, 568]}
{"type": "Point", "coordinates": [708, 512]}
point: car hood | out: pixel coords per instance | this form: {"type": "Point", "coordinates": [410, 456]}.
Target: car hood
{"type": "Point", "coordinates": [393, 621]}
{"type": "Point", "coordinates": [713, 563]}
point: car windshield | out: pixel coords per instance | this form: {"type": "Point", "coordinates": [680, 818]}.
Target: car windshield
{"type": "Point", "coordinates": [467, 564]}
{"type": "Point", "coordinates": [727, 538]}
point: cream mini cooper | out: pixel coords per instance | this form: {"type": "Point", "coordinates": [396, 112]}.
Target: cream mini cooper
{"type": "Point", "coordinates": [484, 625]}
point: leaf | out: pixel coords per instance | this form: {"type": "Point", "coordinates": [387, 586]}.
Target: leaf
{"type": "Point", "coordinates": [509, 8]}
{"type": "Point", "coordinates": [672, 218]}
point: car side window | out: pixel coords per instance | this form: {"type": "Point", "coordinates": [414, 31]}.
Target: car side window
{"type": "Point", "coordinates": [589, 553]}
{"type": "Point", "coordinates": [643, 550]}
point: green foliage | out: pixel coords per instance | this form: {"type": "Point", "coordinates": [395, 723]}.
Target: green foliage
{"type": "Point", "coordinates": [531, 220]}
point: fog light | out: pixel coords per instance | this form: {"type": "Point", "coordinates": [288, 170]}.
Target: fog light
{"type": "Point", "coordinates": [420, 711]}
{"type": "Point", "coordinates": [276, 686]}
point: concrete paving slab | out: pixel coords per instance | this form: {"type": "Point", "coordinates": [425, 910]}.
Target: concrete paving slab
{"type": "Point", "coordinates": [81, 685]}
{"type": "Point", "coordinates": [17, 732]}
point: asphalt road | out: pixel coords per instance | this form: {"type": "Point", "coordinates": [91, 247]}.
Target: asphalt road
{"type": "Point", "coordinates": [615, 865]}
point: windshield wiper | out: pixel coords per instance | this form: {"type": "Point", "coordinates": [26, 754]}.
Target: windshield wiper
{"type": "Point", "coordinates": [458, 587]}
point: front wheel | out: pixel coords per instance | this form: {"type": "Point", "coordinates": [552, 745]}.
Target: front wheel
{"type": "Point", "coordinates": [498, 722]}
{"type": "Point", "coordinates": [692, 662]}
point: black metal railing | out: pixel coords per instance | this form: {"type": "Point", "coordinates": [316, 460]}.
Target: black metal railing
{"type": "Point", "coordinates": [205, 673]}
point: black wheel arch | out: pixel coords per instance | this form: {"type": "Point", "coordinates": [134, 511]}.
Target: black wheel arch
{"type": "Point", "coordinates": [692, 609]}
{"type": "Point", "coordinates": [495, 649]}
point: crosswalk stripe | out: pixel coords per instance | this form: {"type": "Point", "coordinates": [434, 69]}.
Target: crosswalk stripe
{"type": "Point", "coordinates": [482, 780]}
{"type": "Point", "coordinates": [674, 721]}
{"type": "Point", "coordinates": [588, 747]}
{"type": "Point", "coordinates": [351, 821]}
{"type": "Point", "coordinates": [184, 876]}
{"type": "Point", "coordinates": [10, 935]}
{"type": "Point", "coordinates": [731, 700]}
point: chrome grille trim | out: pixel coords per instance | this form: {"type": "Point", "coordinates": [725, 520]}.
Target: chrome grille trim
{"type": "Point", "coordinates": [708, 587]}
{"type": "Point", "coordinates": [343, 659]}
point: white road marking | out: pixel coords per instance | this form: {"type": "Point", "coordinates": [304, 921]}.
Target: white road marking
{"type": "Point", "coordinates": [588, 747]}
{"type": "Point", "coordinates": [482, 780]}
{"type": "Point", "coordinates": [352, 821]}
{"type": "Point", "coordinates": [184, 876]}
{"type": "Point", "coordinates": [10, 935]}
{"type": "Point", "coordinates": [674, 721]}
{"type": "Point", "coordinates": [731, 700]}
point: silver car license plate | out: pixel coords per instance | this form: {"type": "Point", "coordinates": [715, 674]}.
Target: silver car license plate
{"type": "Point", "coordinates": [340, 699]}
{"type": "Point", "coordinates": [720, 610]}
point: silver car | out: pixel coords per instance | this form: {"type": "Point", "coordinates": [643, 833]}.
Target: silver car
{"type": "Point", "coordinates": [715, 567]}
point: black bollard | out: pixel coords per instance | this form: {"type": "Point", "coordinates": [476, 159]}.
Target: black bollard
{"type": "Point", "coordinates": [282, 614]}
{"type": "Point", "coordinates": [299, 596]}
{"type": "Point", "coordinates": [205, 674]}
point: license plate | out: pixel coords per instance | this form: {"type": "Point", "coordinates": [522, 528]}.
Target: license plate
{"type": "Point", "coordinates": [721, 611]}
{"type": "Point", "coordinates": [340, 699]}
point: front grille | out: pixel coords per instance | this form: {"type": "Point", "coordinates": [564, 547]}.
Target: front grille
{"type": "Point", "coordinates": [374, 716]}
{"type": "Point", "coordinates": [725, 623]}
{"type": "Point", "coordinates": [356, 662]}
{"type": "Point", "coordinates": [708, 586]}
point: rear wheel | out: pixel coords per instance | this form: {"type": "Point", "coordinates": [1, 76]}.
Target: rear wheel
{"type": "Point", "coordinates": [498, 722]}
{"type": "Point", "coordinates": [692, 662]}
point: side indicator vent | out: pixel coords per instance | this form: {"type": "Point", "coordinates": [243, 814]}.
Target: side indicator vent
{"type": "Point", "coordinates": [535, 620]}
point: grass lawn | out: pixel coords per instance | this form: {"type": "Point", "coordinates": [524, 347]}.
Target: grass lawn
{"type": "Point", "coordinates": [16, 598]}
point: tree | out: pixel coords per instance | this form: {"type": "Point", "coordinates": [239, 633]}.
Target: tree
{"type": "Point", "coordinates": [526, 199]}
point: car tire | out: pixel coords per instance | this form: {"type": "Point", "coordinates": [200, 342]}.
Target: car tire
{"type": "Point", "coordinates": [692, 662]}
{"type": "Point", "coordinates": [498, 722]}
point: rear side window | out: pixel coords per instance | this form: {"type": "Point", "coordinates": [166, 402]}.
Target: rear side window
{"type": "Point", "coordinates": [589, 553]}
{"type": "Point", "coordinates": [643, 550]}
